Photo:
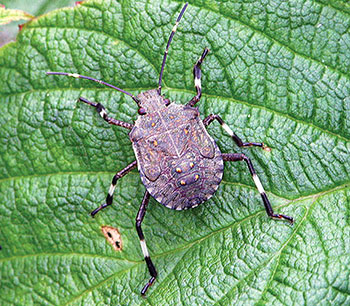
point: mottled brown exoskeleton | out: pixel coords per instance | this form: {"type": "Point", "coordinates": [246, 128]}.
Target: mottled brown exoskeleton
{"type": "Point", "coordinates": [179, 162]}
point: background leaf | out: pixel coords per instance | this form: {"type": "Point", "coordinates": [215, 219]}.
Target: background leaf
{"type": "Point", "coordinates": [8, 15]}
{"type": "Point", "coordinates": [277, 72]}
{"type": "Point", "coordinates": [36, 8]}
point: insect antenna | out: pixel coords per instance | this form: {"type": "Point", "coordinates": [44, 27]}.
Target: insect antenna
{"type": "Point", "coordinates": [75, 75]}
{"type": "Point", "coordinates": [167, 46]}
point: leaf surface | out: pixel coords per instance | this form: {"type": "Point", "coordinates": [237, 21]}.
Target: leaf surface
{"type": "Point", "coordinates": [273, 74]}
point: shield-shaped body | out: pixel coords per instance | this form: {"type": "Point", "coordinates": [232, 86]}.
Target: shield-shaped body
{"type": "Point", "coordinates": [179, 163]}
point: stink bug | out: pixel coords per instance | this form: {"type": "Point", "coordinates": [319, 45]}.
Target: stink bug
{"type": "Point", "coordinates": [179, 162]}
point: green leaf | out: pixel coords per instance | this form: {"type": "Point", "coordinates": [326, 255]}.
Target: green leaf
{"type": "Point", "coordinates": [38, 7]}
{"type": "Point", "coordinates": [8, 15]}
{"type": "Point", "coordinates": [278, 72]}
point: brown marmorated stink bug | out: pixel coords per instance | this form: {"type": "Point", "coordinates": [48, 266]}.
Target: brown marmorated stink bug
{"type": "Point", "coordinates": [179, 163]}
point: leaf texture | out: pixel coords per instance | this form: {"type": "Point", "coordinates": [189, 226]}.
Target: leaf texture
{"type": "Point", "coordinates": [278, 72]}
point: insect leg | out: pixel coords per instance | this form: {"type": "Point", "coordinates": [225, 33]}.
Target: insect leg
{"type": "Point", "coordinates": [233, 135]}
{"type": "Point", "coordinates": [140, 215]}
{"type": "Point", "coordinates": [102, 111]}
{"type": "Point", "coordinates": [268, 208]}
{"type": "Point", "coordinates": [116, 177]}
{"type": "Point", "coordinates": [197, 78]}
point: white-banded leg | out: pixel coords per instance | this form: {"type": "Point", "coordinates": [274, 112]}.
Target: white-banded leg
{"type": "Point", "coordinates": [140, 215]}
{"type": "Point", "coordinates": [233, 135]}
{"type": "Point", "coordinates": [103, 113]}
{"type": "Point", "coordinates": [268, 208]}
{"type": "Point", "coordinates": [197, 78]}
{"type": "Point", "coordinates": [116, 177]}
{"type": "Point", "coordinates": [167, 47]}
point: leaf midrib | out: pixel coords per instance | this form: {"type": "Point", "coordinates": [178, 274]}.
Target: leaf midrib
{"type": "Point", "coordinates": [67, 254]}
{"type": "Point", "coordinates": [136, 173]}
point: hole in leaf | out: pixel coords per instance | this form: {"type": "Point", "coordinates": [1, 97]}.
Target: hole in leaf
{"type": "Point", "coordinates": [113, 237]}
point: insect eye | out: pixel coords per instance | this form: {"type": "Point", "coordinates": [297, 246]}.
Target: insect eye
{"type": "Point", "coordinates": [142, 111]}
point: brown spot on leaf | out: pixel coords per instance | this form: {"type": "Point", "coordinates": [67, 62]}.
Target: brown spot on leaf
{"type": "Point", "coordinates": [113, 237]}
